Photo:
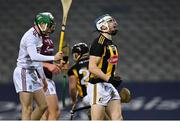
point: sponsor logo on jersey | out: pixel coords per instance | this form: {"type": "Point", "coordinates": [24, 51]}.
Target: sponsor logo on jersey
{"type": "Point", "coordinates": [113, 59]}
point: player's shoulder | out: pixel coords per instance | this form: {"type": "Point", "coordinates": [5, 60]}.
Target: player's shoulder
{"type": "Point", "coordinates": [83, 62]}
{"type": "Point", "coordinates": [73, 66]}
{"type": "Point", "coordinates": [99, 40]}
{"type": "Point", "coordinates": [31, 33]}
{"type": "Point", "coordinates": [31, 36]}
{"type": "Point", "coordinates": [79, 64]}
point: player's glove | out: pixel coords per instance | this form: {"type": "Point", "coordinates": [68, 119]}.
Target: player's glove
{"type": "Point", "coordinates": [65, 59]}
{"type": "Point", "coordinates": [115, 81]}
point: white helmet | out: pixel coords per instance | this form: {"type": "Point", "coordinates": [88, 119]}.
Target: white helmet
{"type": "Point", "coordinates": [101, 23]}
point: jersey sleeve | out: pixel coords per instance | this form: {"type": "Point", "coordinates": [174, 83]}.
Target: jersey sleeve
{"type": "Point", "coordinates": [32, 51]}
{"type": "Point", "coordinates": [97, 49]}
{"type": "Point", "coordinates": [30, 42]}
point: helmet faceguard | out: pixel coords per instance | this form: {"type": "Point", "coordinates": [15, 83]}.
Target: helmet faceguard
{"type": "Point", "coordinates": [47, 19]}
{"type": "Point", "coordinates": [102, 24]}
{"type": "Point", "coordinates": [79, 50]}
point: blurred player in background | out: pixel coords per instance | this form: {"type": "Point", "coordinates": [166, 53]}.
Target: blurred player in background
{"type": "Point", "coordinates": [78, 74]}
{"type": "Point", "coordinates": [29, 77]}
{"type": "Point", "coordinates": [102, 64]}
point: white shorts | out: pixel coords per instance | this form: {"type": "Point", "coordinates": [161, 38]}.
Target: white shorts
{"type": "Point", "coordinates": [51, 88]}
{"type": "Point", "coordinates": [101, 93]}
{"type": "Point", "coordinates": [26, 80]}
{"type": "Point", "coordinates": [86, 100]}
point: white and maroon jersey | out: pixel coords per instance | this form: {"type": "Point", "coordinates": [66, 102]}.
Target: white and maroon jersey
{"type": "Point", "coordinates": [48, 46]}
{"type": "Point", "coordinates": [47, 49]}
{"type": "Point", "coordinates": [29, 50]}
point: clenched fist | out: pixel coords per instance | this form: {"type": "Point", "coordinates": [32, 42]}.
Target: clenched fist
{"type": "Point", "coordinates": [58, 56]}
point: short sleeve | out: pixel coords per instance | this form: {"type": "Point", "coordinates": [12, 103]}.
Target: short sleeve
{"type": "Point", "coordinates": [96, 49]}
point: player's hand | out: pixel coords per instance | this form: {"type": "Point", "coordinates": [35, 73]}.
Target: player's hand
{"type": "Point", "coordinates": [115, 81]}
{"type": "Point", "coordinates": [65, 59]}
{"type": "Point", "coordinates": [125, 95]}
{"type": "Point", "coordinates": [60, 64]}
{"type": "Point", "coordinates": [54, 68]}
{"type": "Point", "coordinates": [58, 56]}
{"type": "Point", "coordinates": [45, 85]}
{"type": "Point", "coordinates": [65, 66]}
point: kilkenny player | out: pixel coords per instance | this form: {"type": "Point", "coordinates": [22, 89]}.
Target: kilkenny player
{"type": "Point", "coordinates": [103, 60]}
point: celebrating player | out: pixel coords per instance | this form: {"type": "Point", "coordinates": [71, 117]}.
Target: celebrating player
{"type": "Point", "coordinates": [102, 65]}
{"type": "Point", "coordinates": [29, 69]}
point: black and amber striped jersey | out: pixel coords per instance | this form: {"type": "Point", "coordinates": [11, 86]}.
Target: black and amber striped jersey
{"type": "Point", "coordinates": [107, 50]}
{"type": "Point", "coordinates": [81, 72]}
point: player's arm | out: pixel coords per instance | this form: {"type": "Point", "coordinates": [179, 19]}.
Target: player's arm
{"type": "Point", "coordinates": [96, 52]}
{"type": "Point", "coordinates": [93, 68]}
{"type": "Point", "coordinates": [65, 66]}
{"type": "Point", "coordinates": [55, 69]}
{"type": "Point", "coordinates": [39, 57]}
{"type": "Point", "coordinates": [73, 88]}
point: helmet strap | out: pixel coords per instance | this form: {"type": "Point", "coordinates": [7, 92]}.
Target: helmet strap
{"type": "Point", "coordinates": [78, 57]}
{"type": "Point", "coordinates": [41, 29]}
{"type": "Point", "coordinates": [106, 28]}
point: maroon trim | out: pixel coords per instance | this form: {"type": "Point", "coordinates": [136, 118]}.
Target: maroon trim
{"type": "Point", "coordinates": [38, 74]}
{"type": "Point", "coordinates": [37, 31]}
{"type": "Point", "coordinates": [23, 78]}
